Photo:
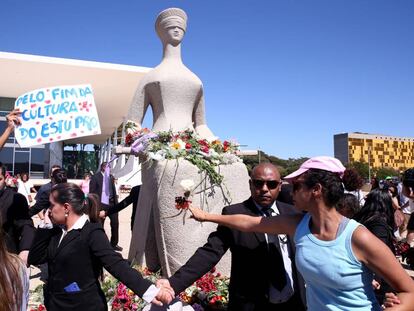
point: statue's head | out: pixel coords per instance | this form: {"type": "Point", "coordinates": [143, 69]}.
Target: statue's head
{"type": "Point", "coordinates": [171, 25]}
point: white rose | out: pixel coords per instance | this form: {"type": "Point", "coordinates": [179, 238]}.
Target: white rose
{"type": "Point", "coordinates": [187, 185]}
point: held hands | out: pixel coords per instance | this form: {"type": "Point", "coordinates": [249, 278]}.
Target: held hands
{"type": "Point", "coordinates": [391, 300]}
{"type": "Point", "coordinates": [197, 213]}
{"type": "Point", "coordinates": [166, 293]}
{"type": "Point", "coordinates": [13, 118]}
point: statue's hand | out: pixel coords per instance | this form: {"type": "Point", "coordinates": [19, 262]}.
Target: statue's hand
{"type": "Point", "coordinates": [132, 127]}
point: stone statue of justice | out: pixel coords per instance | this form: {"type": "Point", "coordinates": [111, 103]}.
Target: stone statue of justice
{"type": "Point", "coordinates": [176, 97]}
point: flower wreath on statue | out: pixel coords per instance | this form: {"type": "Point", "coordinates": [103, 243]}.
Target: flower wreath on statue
{"type": "Point", "coordinates": [206, 155]}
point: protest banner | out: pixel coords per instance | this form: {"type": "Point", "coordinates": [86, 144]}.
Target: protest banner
{"type": "Point", "coordinates": [56, 113]}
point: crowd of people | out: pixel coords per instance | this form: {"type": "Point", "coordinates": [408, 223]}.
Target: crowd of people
{"type": "Point", "coordinates": [343, 261]}
{"type": "Point", "coordinates": [316, 240]}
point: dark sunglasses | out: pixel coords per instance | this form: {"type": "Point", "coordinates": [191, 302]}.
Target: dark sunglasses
{"type": "Point", "coordinates": [271, 184]}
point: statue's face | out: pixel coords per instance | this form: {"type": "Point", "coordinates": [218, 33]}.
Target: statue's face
{"type": "Point", "coordinates": [172, 35]}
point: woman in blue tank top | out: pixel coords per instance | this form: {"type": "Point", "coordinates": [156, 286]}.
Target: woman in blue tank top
{"type": "Point", "coordinates": [335, 255]}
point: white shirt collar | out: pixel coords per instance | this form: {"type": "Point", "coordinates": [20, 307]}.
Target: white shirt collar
{"type": "Point", "coordinates": [273, 207]}
{"type": "Point", "coordinates": [79, 223]}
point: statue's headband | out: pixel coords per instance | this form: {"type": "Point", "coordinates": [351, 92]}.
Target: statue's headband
{"type": "Point", "coordinates": [170, 18]}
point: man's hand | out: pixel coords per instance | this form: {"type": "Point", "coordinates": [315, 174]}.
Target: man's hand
{"type": "Point", "coordinates": [23, 256]}
{"type": "Point", "coordinates": [102, 214]}
{"type": "Point", "coordinates": [13, 118]}
{"type": "Point", "coordinates": [197, 213]}
{"type": "Point", "coordinates": [163, 283]}
{"type": "Point", "coordinates": [46, 218]}
{"type": "Point", "coordinates": [166, 293]}
{"type": "Point", "coordinates": [391, 300]}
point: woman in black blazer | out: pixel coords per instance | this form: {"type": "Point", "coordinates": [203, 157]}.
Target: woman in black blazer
{"type": "Point", "coordinates": [15, 220]}
{"type": "Point", "coordinates": [76, 256]}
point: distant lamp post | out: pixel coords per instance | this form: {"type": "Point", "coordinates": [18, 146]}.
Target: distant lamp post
{"type": "Point", "coordinates": [369, 163]}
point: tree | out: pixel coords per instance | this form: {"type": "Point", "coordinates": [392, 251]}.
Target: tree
{"type": "Point", "coordinates": [285, 166]}
{"type": "Point", "coordinates": [361, 167]}
{"type": "Point", "coordinates": [383, 172]}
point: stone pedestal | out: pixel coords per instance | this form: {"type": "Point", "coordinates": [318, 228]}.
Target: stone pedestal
{"type": "Point", "coordinates": [167, 238]}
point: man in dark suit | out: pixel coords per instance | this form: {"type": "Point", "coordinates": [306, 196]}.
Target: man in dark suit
{"type": "Point", "coordinates": [57, 176]}
{"type": "Point", "coordinates": [95, 186]}
{"type": "Point", "coordinates": [263, 273]}
{"type": "Point", "coordinates": [131, 198]}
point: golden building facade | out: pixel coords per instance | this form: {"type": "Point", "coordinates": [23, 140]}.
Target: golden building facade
{"type": "Point", "coordinates": [375, 149]}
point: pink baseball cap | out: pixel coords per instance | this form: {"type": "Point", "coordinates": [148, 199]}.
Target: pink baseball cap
{"type": "Point", "coordinates": [329, 164]}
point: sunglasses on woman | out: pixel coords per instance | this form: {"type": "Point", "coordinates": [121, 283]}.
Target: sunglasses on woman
{"type": "Point", "coordinates": [271, 184]}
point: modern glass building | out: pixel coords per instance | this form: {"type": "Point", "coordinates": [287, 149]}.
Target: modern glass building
{"type": "Point", "coordinates": [113, 88]}
{"type": "Point", "coordinates": [19, 160]}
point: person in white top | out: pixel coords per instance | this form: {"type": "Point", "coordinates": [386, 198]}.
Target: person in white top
{"type": "Point", "coordinates": [408, 191]}
{"type": "Point", "coordinates": [26, 187]}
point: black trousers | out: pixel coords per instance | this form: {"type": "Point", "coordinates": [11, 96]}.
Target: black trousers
{"type": "Point", "coordinates": [293, 304]}
{"type": "Point", "coordinates": [114, 228]}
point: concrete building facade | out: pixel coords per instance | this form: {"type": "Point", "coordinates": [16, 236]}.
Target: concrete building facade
{"type": "Point", "coordinates": [375, 149]}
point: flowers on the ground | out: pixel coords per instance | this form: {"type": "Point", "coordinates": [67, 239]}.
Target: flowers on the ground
{"type": "Point", "coordinates": [210, 292]}
{"type": "Point", "coordinates": [38, 308]}
{"type": "Point", "coordinates": [206, 155]}
{"type": "Point", "coordinates": [406, 252]}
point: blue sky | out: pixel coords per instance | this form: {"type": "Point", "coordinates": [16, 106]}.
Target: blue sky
{"type": "Point", "coordinates": [282, 76]}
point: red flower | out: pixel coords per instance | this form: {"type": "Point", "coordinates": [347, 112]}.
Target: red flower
{"type": "Point", "coordinates": [182, 203]}
{"type": "Point", "coordinates": [226, 145]}
{"type": "Point", "coordinates": [128, 139]}
{"type": "Point", "coordinates": [204, 149]}
{"type": "Point", "coordinates": [203, 142]}
{"type": "Point", "coordinates": [188, 146]}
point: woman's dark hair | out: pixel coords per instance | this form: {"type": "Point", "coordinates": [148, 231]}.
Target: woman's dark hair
{"type": "Point", "coordinates": [378, 205]}
{"type": "Point", "coordinates": [408, 178]}
{"type": "Point", "coordinates": [11, 287]}
{"type": "Point", "coordinates": [24, 174]}
{"type": "Point", "coordinates": [348, 205]}
{"type": "Point", "coordinates": [81, 203]}
{"type": "Point", "coordinates": [393, 189]}
{"type": "Point", "coordinates": [352, 180]}
{"type": "Point", "coordinates": [374, 183]}
{"type": "Point", "coordinates": [59, 176]}
{"type": "Point", "coordinates": [332, 188]}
